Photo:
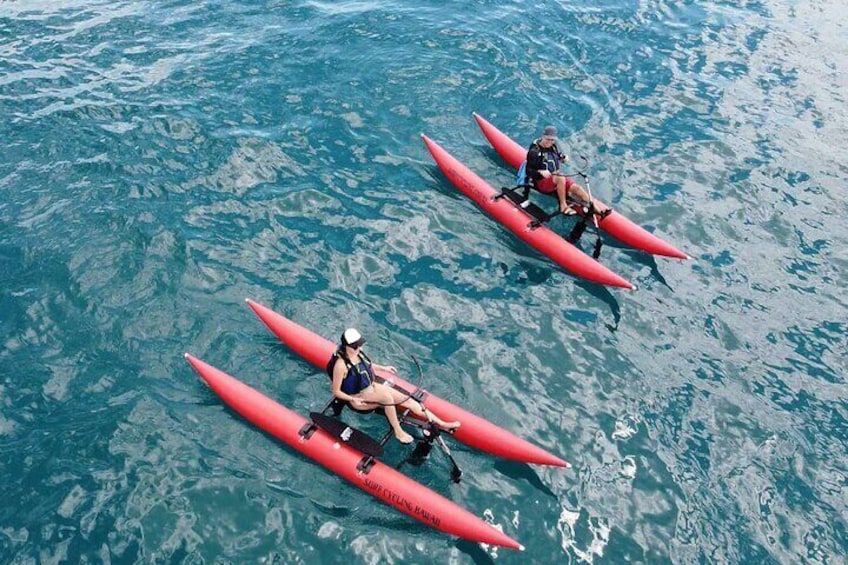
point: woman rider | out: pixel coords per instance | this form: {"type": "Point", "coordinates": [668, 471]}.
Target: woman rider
{"type": "Point", "coordinates": [353, 382]}
{"type": "Point", "coordinates": [543, 163]}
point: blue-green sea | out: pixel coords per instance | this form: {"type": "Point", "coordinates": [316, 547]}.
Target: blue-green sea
{"type": "Point", "coordinates": [162, 161]}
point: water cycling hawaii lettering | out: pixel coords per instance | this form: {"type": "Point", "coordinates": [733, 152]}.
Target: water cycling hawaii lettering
{"type": "Point", "coordinates": [400, 502]}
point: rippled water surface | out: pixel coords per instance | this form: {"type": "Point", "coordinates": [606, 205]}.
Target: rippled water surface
{"type": "Point", "coordinates": [162, 161]}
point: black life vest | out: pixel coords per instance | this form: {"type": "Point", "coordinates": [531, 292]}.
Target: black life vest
{"type": "Point", "coordinates": [359, 376]}
{"type": "Point", "coordinates": [550, 156]}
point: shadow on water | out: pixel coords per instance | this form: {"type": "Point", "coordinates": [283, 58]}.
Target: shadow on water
{"type": "Point", "coordinates": [487, 150]}
{"type": "Point", "coordinates": [393, 521]}
{"type": "Point", "coordinates": [333, 510]}
{"type": "Point", "coordinates": [606, 296]}
{"type": "Point", "coordinates": [475, 552]}
{"type": "Point", "coordinates": [531, 273]}
{"type": "Point", "coordinates": [651, 262]}
{"type": "Point", "coordinates": [536, 275]}
{"type": "Point", "coordinates": [523, 472]}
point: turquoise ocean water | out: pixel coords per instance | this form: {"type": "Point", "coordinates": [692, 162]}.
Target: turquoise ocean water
{"type": "Point", "coordinates": [162, 161]}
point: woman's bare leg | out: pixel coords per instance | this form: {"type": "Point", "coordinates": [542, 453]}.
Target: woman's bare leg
{"type": "Point", "coordinates": [416, 408]}
{"type": "Point", "coordinates": [380, 396]}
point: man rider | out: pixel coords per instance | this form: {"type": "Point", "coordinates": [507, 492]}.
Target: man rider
{"type": "Point", "coordinates": [544, 160]}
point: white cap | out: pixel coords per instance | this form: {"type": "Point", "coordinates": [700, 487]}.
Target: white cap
{"type": "Point", "coordinates": [352, 337]}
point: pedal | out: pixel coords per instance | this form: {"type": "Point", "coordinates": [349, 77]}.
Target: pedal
{"type": "Point", "coordinates": [420, 453]}
{"type": "Point", "coordinates": [456, 474]}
